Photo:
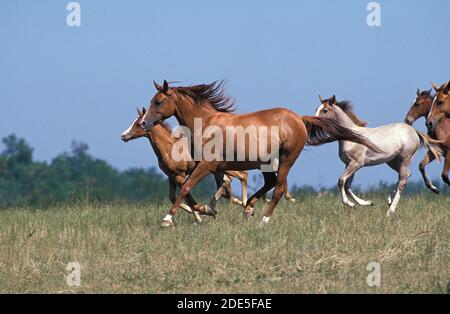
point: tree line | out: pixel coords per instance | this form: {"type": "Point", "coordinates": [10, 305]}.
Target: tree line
{"type": "Point", "coordinates": [76, 176]}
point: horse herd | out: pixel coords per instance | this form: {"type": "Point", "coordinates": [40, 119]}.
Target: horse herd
{"type": "Point", "coordinates": [359, 146]}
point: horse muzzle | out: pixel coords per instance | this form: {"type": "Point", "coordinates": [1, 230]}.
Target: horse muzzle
{"type": "Point", "coordinates": [149, 123]}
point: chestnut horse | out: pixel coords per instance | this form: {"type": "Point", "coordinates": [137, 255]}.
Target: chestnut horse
{"type": "Point", "coordinates": [440, 109]}
{"type": "Point", "coordinates": [208, 104]}
{"type": "Point", "coordinates": [399, 142]}
{"type": "Point", "coordinates": [421, 107]}
{"type": "Point", "coordinates": [162, 141]}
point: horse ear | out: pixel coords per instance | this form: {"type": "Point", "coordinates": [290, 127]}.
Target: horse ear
{"type": "Point", "coordinates": [139, 112]}
{"type": "Point", "coordinates": [157, 86]}
{"type": "Point", "coordinates": [333, 99]}
{"type": "Point", "coordinates": [429, 92]}
{"type": "Point", "coordinates": [447, 88]}
{"type": "Point", "coordinates": [165, 87]}
{"type": "Point", "coordinates": [436, 88]}
{"type": "Point", "coordinates": [418, 92]}
{"type": "Point", "coordinates": [321, 99]}
{"type": "Point", "coordinates": [144, 111]}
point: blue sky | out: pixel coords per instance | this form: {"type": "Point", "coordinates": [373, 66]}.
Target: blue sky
{"type": "Point", "coordinates": [60, 83]}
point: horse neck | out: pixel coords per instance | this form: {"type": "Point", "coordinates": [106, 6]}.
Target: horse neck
{"type": "Point", "coordinates": [429, 105]}
{"type": "Point", "coordinates": [161, 140]}
{"type": "Point", "coordinates": [344, 120]}
{"type": "Point", "coordinates": [186, 111]}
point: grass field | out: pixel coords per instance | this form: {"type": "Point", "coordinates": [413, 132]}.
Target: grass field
{"type": "Point", "coordinates": [312, 246]}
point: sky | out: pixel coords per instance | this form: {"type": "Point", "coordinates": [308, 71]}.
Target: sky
{"type": "Point", "coordinates": [61, 83]}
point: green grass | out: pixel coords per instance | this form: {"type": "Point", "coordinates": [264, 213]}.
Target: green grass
{"type": "Point", "coordinates": [312, 246]}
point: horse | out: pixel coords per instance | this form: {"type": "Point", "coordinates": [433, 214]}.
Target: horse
{"type": "Point", "coordinates": [399, 143]}
{"type": "Point", "coordinates": [440, 109]}
{"type": "Point", "coordinates": [162, 141]}
{"type": "Point", "coordinates": [421, 107]}
{"type": "Point", "coordinates": [208, 106]}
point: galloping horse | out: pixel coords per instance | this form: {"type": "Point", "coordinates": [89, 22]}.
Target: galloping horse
{"type": "Point", "coordinates": [440, 109]}
{"type": "Point", "coordinates": [421, 107]}
{"type": "Point", "coordinates": [398, 141]}
{"type": "Point", "coordinates": [208, 106]}
{"type": "Point", "coordinates": [162, 141]}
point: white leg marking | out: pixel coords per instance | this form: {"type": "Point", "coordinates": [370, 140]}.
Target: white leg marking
{"type": "Point", "coordinates": [359, 200]}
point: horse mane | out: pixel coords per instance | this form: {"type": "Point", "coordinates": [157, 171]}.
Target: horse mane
{"type": "Point", "coordinates": [213, 94]}
{"type": "Point", "coordinates": [347, 107]}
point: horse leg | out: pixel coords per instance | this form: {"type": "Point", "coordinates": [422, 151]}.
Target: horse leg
{"type": "Point", "coordinates": [200, 171]}
{"type": "Point", "coordinates": [446, 169]}
{"type": "Point", "coordinates": [395, 165]}
{"type": "Point", "coordinates": [392, 194]}
{"type": "Point", "coordinates": [429, 158]}
{"type": "Point", "coordinates": [288, 195]}
{"type": "Point", "coordinates": [219, 177]}
{"type": "Point", "coordinates": [221, 187]}
{"type": "Point", "coordinates": [350, 169]}
{"type": "Point", "coordinates": [403, 175]}
{"type": "Point", "coordinates": [348, 189]}
{"type": "Point", "coordinates": [233, 198]}
{"type": "Point", "coordinates": [280, 187]}
{"type": "Point", "coordinates": [191, 206]}
{"type": "Point", "coordinates": [269, 182]}
{"type": "Point", "coordinates": [244, 190]}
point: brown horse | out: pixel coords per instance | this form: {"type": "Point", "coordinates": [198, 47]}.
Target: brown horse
{"type": "Point", "coordinates": [207, 106]}
{"type": "Point", "coordinates": [421, 107]}
{"type": "Point", "coordinates": [162, 141]}
{"type": "Point", "coordinates": [440, 109]}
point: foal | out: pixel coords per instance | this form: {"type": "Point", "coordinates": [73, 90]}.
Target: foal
{"type": "Point", "coordinates": [399, 142]}
{"type": "Point", "coordinates": [421, 107]}
{"type": "Point", "coordinates": [161, 139]}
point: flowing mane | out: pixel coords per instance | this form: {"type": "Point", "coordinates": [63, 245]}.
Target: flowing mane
{"type": "Point", "coordinates": [213, 94]}
{"type": "Point", "coordinates": [347, 107]}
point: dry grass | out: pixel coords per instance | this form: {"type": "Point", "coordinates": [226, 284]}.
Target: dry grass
{"type": "Point", "coordinates": [315, 245]}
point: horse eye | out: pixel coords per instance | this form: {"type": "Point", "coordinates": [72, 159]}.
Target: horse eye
{"type": "Point", "coordinates": [324, 110]}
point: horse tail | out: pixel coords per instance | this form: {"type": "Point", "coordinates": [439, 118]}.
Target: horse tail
{"type": "Point", "coordinates": [325, 130]}
{"type": "Point", "coordinates": [433, 146]}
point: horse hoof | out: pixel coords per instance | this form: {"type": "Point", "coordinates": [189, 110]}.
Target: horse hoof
{"type": "Point", "coordinates": [249, 213]}
{"type": "Point", "coordinates": [349, 204]}
{"type": "Point", "coordinates": [435, 190]}
{"type": "Point", "coordinates": [210, 211]}
{"type": "Point", "coordinates": [236, 201]}
{"type": "Point", "coordinates": [292, 200]}
{"type": "Point", "coordinates": [267, 200]}
{"type": "Point", "coordinates": [167, 224]}
{"type": "Point", "coordinates": [371, 203]}
{"type": "Point", "coordinates": [389, 213]}
{"type": "Point", "coordinates": [197, 217]}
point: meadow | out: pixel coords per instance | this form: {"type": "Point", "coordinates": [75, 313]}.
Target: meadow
{"type": "Point", "coordinates": [312, 246]}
